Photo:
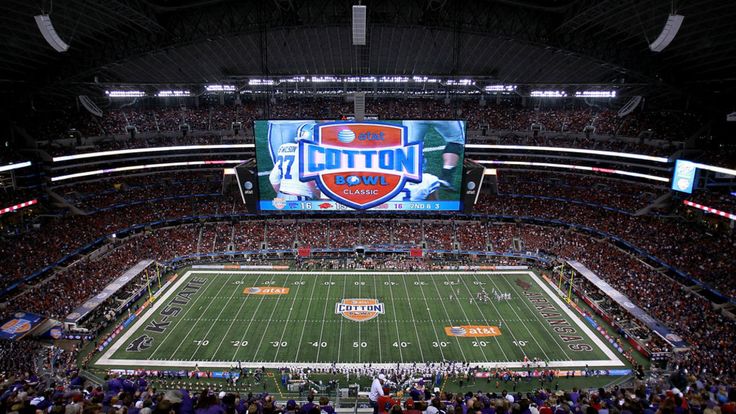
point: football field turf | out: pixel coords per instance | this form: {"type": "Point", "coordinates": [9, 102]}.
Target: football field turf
{"type": "Point", "coordinates": [283, 318]}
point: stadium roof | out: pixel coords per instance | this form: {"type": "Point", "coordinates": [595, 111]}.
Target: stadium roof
{"type": "Point", "coordinates": [512, 41]}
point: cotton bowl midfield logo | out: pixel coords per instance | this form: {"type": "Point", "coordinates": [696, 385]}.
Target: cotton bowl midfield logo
{"type": "Point", "coordinates": [360, 165]}
{"type": "Point", "coordinates": [359, 310]}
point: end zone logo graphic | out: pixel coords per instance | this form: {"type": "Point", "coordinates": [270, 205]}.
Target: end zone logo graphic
{"type": "Point", "coordinates": [360, 165]}
{"type": "Point", "coordinates": [139, 344]}
{"type": "Point", "coordinates": [359, 310]}
{"type": "Point", "coordinates": [472, 331]}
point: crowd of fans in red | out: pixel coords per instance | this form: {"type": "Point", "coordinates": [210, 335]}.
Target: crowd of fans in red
{"type": "Point", "coordinates": [677, 242]}
{"type": "Point", "coordinates": [706, 256]}
{"type": "Point", "coordinates": [671, 239]}
{"type": "Point", "coordinates": [623, 195]}
{"type": "Point", "coordinates": [691, 316]}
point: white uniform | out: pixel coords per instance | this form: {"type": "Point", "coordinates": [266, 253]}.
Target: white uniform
{"type": "Point", "coordinates": [376, 390]}
{"type": "Point", "coordinates": [419, 191]}
{"type": "Point", "coordinates": [285, 173]}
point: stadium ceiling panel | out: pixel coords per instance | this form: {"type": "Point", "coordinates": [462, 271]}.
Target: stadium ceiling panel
{"type": "Point", "coordinates": [514, 41]}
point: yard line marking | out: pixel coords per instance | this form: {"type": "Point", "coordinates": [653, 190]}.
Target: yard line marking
{"type": "Point", "coordinates": [179, 364]}
{"type": "Point", "coordinates": [304, 326]}
{"type": "Point", "coordinates": [196, 322]}
{"type": "Point", "coordinates": [286, 324]}
{"type": "Point", "coordinates": [212, 325]}
{"type": "Point", "coordinates": [396, 323]}
{"type": "Point", "coordinates": [505, 321]}
{"type": "Point", "coordinates": [172, 329]}
{"type": "Point", "coordinates": [485, 321]}
{"type": "Point", "coordinates": [186, 312]}
{"type": "Point", "coordinates": [534, 337]}
{"type": "Point", "coordinates": [457, 339]}
{"type": "Point", "coordinates": [537, 317]}
{"type": "Point", "coordinates": [247, 328]}
{"type": "Point", "coordinates": [411, 310]}
{"type": "Point", "coordinates": [324, 315]}
{"type": "Point", "coordinates": [146, 316]}
{"type": "Point", "coordinates": [263, 335]}
{"type": "Point", "coordinates": [339, 343]}
{"type": "Point", "coordinates": [378, 326]}
{"type": "Point", "coordinates": [141, 321]}
{"type": "Point", "coordinates": [234, 319]}
{"type": "Point", "coordinates": [429, 313]}
{"type": "Point", "coordinates": [462, 308]}
{"type": "Point", "coordinates": [359, 324]}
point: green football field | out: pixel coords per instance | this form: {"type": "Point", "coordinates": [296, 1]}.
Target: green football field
{"type": "Point", "coordinates": [274, 319]}
{"type": "Point", "coordinates": [433, 147]}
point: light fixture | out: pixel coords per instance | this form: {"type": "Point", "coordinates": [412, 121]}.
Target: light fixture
{"type": "Point", "coordinates": [359, 25]}
{"type": "Point", "coordinates": [674, 21]}
{"type": "Point", "coordinates": [49, 33]}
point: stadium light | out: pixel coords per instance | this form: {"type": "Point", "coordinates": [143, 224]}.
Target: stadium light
{"type": "Point", "coordinates": [295, 79]}
{"type": "Point", "coordinates": [548, 94]}
{"type": "Point", "coordinates": [151, 149]}
{"type": "Point", "coordinates": [500, 88]}
{"type": "Point", "coordinates": [261, 82]}
{"type": "Point", "coordinates": [15, 166]}
{"type": "Point", "coordinates": [572, 150]}
{"type": "Point", "coordinates": [174, 93]}
{"type": "Point", "coordinates": [360, 79]}
{"type": "Point", "coordinates": [18, 206]}
{"type": "Point", "coordinates": [714, 168]}
{"type": "Point", "coordinates": [125, 94]}
{"type": "Point", "coordinates": [595, 94]}
{"type": "Point", "coordinates": [142, 167]}
{"type": "Point", "coordinates": [220, 88]}
{"type": "Point", "coordinates": [43, 21]}
{"type": "Point", "coordinates": [424, 79]}
{"type": "Point", "coordinates": [324, 79]}
{"type": "Point", "coordinates": [460, 82]}
{"type": "Point", "coordinates": [579, 167]}
{"type": "Point", "coordinates": [721, 213]}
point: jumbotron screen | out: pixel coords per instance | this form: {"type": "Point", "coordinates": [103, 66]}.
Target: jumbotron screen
{"type": "Point", "coordinates": [313, 165]}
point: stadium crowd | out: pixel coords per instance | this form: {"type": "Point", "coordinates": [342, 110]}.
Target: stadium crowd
{"type": "Point", "coordinates": [570, 116]}
{"type": "Point", "coordinates": [401, 392]}
{"type": "Point", "coordinates": [688, 314]}
{"type": "Point", "coordinates": [619, 194]}
{"type": "Point", "coordinates": [679, 243]}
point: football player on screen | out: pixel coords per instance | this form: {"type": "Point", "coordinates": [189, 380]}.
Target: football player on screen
{"type": "Point", "coordinates": [453, 132]}
{"type": "Point", "coordinates": [284, 176]}
{"type": "Point", "coordinates": [283, 132]}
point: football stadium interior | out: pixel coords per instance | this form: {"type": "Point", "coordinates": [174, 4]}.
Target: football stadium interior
{"type": "Point", "coordinates": [368, 206]}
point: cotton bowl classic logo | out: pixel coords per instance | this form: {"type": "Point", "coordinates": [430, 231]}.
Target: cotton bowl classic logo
{"type": "Point", "coordinates": [359, 310]}
{"type": "Point", "coordinates": [360, 165]}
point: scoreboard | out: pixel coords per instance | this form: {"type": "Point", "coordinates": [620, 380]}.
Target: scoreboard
{"type": "Point", "coordinates": [402, 165]}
